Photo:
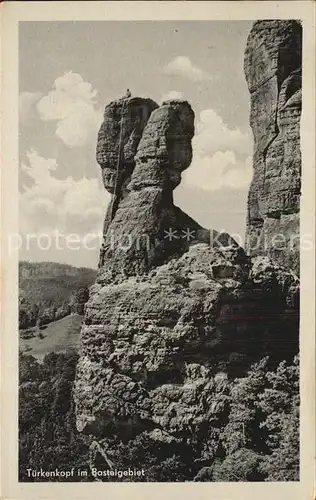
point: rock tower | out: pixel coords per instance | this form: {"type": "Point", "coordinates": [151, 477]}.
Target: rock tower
{"type": "Point", "coordinates": [175, 305]}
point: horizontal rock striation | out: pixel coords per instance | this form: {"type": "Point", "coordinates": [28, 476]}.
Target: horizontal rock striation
{"type": "Point", "coordinates": [153, 344]}
{"type": "Point", "coordinates": [121, 130]}
{"type": "Point", "coordinates": [174, 306]}
{"type": "Point", "coordinates": [117, 146]}
{"type": "Point", "coordinates": [165, 148]}
{"type": "Point", "coordinates": [147, 229]}
{"type": "Point", "coordinates": [273, 72]}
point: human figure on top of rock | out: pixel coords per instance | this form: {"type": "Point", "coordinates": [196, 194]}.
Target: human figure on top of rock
{"type": "Point", "coordinates": [127, 94]}
{"type": "Point", "coordinates": [154, 153]}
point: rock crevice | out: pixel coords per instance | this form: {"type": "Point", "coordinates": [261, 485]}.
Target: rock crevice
{"type": "Point", "coordinates": [174, 304]}
{"type": "Point", "coordinates": [273, 73]}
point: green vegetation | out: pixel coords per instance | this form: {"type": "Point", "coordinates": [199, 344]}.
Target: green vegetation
{"type": "Point", "coordinates": [253, 433]}
{"type": "Point", "coordinates": [47, 432]}
{"type": "Point", "coordinates": [261, 437]}
{"type": "Point", "coordinates": [49, 291]}
{"type": "Point", "coordinates": [59, 336]}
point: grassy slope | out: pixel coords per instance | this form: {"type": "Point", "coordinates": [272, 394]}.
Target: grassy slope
{"type": "Point", "coordinates": [59, 336]}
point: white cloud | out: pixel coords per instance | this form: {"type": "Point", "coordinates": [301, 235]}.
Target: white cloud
{"type": "Point", "coordinates": [212, 134]}
{"type": "Point", "coordinates": [172, 94]}
{"type": "Point", "coordinates": [27, 110]}
{"type": "Point", "coordinates": [241, 175]}
{"type": "Point", "coordinates": [221, 156]}
{"type": "Point", "coordinates": [183, 66]}
{"type": "Point", "coordinates": [71, 104]}
{"type": "Point", "coordinates": [222, 170]}
{"type": "Point", "coordinates": [66, 204]}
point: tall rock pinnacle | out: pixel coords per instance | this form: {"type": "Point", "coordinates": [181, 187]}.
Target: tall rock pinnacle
{"type": "Point", "coordinates": [145, 229]}
{"type": "Point", "coordinates": [273, 72]}
{"type": "Point", "coordinates": [173, 305]}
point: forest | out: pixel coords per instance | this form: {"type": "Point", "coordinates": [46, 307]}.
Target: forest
{"type": "Point", "coordinates": [252, 436]}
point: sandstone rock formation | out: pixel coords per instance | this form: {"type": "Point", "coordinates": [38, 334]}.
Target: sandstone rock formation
{"type": "Point", "coordinates": [174, 305]}
{"type": "Point", "coordinates": [273, 72]}
{"type": "Point", "coordinates": [145, 228]}
{"type": "Point", "coordinates": [121, 130]}
{"type": "Point", "coordinates": [116, 143]}
{"type": "Point", "coordinates": [153, 345]}
{"type": "Point", "coordinates": [145, 339]}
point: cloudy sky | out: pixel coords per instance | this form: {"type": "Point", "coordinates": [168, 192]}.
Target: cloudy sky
{"type": "Point", "coordinates": [70, 70]}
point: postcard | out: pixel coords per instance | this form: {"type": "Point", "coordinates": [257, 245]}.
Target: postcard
{"type": "Point", "coordinates": [158, 250]}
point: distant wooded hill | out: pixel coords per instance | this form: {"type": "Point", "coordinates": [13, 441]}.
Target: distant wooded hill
{"type": "Point", "coordinates": [49, 291]}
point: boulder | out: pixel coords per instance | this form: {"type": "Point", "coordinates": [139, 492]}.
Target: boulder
{"type": "Point", "coordinates": [152, 347]}
{"type": "Point", "coordinates": [178, 309]}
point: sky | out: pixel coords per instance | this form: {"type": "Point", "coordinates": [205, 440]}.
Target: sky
{"type": "Point", "coordinates": [68, 73]}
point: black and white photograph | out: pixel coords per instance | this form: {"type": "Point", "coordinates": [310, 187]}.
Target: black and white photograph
{"type": "Point", "coordinates": [160, 250]}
